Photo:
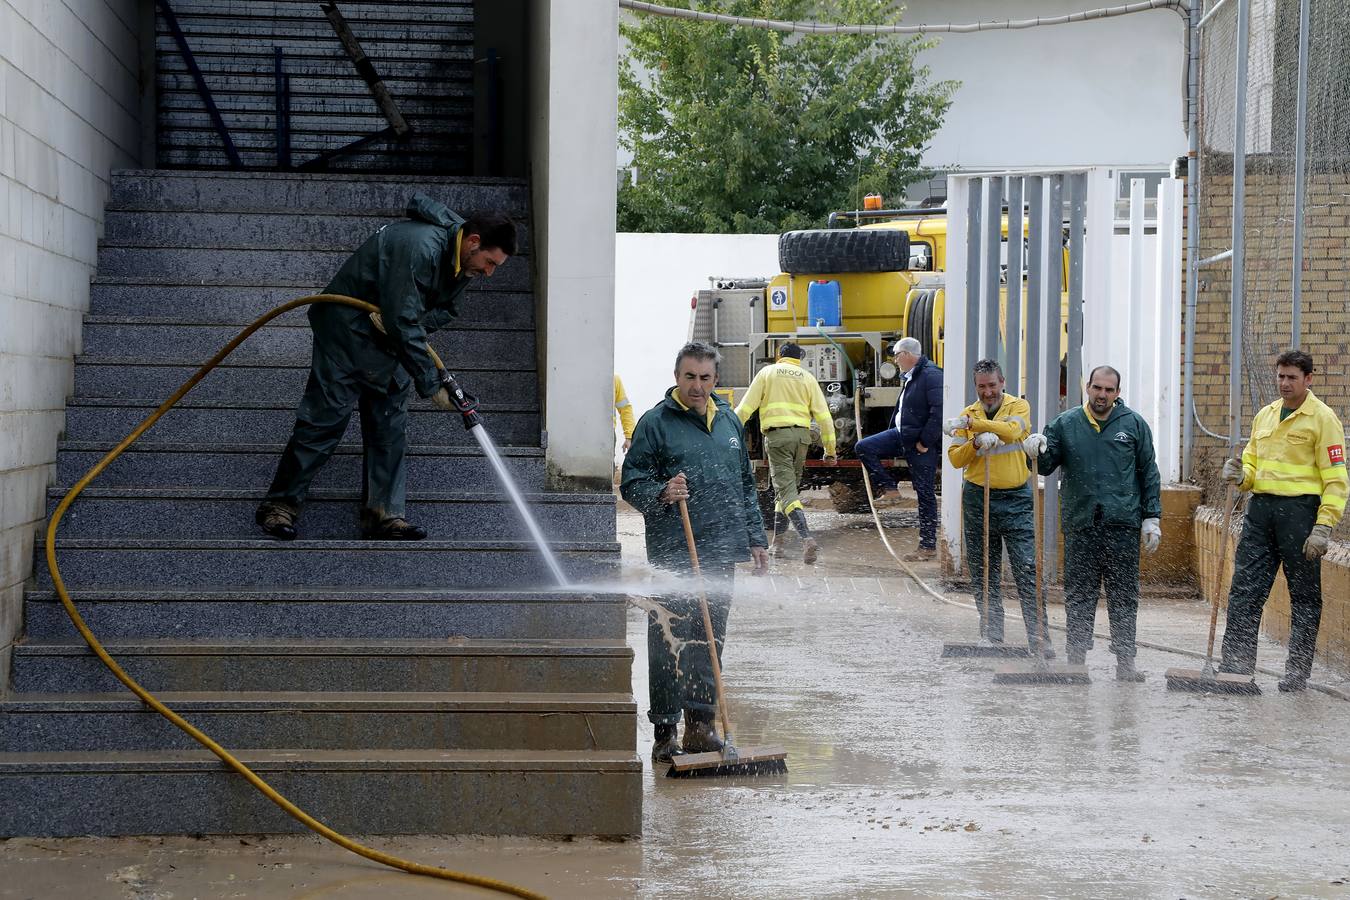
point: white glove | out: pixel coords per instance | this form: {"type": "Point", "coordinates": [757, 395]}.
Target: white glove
{"type": "Point", "coordinates": [1035, 444]}
{"type": "Point", "coordinates": [960, 423]}
{"type": "Point", "coordinates": [1232, 471]}
{"type": "Point", "coordinates": [1315, 547]}
{"type": "Point", "coordinates": [986, 441]}
{"type": "Point", "coordinates": [441, 399]}
{"type": "Point", "coordinates": [1152, 533]}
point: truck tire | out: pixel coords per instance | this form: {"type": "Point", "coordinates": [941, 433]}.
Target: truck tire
{"type": "Point", "coordinates": [825, 251]}
{"type": "Point", "coordinates": [919, 322]}
{"type": "Point", "coordinates": [849, 498]}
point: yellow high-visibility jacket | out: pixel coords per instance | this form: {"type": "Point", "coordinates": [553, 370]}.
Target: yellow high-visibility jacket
{"type": "Point", "coordinates": [1008, 461]}
{"type": "Point", "coordinates": [623, 409]}
{"type": "Point", "coordinates": [1304, 454]}
{"type": "Point", "coordinates": [785, 395]}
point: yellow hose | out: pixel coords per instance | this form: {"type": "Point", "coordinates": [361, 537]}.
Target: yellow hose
{"type": "Point", "coordinates": [154, 703]}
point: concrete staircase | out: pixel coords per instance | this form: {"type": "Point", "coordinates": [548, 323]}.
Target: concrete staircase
{"type": "Point", "coordinates": [429, 687]}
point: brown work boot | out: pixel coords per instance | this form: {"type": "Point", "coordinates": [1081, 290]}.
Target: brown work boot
{"type": "Point", "coordinates": [277, 519]}
{"type": "Point", "coordinates": [393, 529]}
{"type": "Point", "coordinates": [699, 734]}
{"type": "Point", "coordinates": [922, 554]}
{"type": "Point", "coordinates": [809, 551]}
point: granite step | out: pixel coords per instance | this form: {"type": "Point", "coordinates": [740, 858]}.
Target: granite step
{"type": "Point", "coordinates": [152, 379]}
{"type": "Point", "coordinates": [316, 267]}
{"type": "Point", "coordinates": [234, 615]}
{"type": "Point", "coordinates": [191, 191]}
{"type": "Point", "coordinates": [518, 792]}
{"type": "Point", "coordinates": [566, 666]}
{"type": "Point", "coordinates": [194, 421]}
{"type": "Point", "coordinates": [378, 720]}
{"type": "Point", "coordinates": [131, 340]}
{"type": "Point", "coordinates": [234, 304]}
{"type": "Point", "coordinates": [251, 466]}
{"type": "Point", "coordinates": [191, 512]}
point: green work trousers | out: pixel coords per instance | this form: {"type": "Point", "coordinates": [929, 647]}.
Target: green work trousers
{"type": "Point", "coordinates": [325, 409]}
{"type": "Point", "coordinates": [1273, 535]}
{"type": "Point", "coordinates": [1093, 556]}
{"type": "Point", "coordinates": [786, 450]}
{"type": "Point", "coordinates": [1011, 524]}
{"type": "Point", "coordinates": [679, 668]}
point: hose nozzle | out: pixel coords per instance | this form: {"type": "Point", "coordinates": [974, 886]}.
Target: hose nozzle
{"type": "Point", "coordinates": [465, 403]}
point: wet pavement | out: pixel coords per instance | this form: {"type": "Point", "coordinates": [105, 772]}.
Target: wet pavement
{"type": "Point", "coordinates": [910, 776]}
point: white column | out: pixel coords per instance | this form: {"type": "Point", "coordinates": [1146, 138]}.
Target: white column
{"type": "Point", "coordinates": [954, 362]}
{"type": "Point", "coordinates": [1167, 347]}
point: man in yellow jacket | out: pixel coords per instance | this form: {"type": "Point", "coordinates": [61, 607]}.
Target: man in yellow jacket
{"type": "Point", "coordinates": [624, 410]}
{"type": "Point", "coordinates": [1294, 465]}
{"type": "Point", "coordinates": [993, 428]}
{"type": "Point", "coordinates": [787, 397]}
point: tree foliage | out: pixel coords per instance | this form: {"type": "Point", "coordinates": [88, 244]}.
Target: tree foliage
{"type": "Point", "coordinates": [737, 129]}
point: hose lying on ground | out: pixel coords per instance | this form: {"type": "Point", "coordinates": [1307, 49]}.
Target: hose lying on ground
{"type": "Point", "coordinates": [154, 703]}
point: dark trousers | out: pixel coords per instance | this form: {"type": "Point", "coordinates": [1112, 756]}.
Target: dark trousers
{"type": "Point", "coordinates": [1011, 524]}
{"type": "Point", "coordinates": [922, 473]}
{"type": "Point", "coordinates": [1102, 554]}
{"type": "Point", "coordinates": [325, 410]}
{"type": "Point", "coordinates": [679, 668]}
{"type": "Point", "coordinates": [1272, 536]}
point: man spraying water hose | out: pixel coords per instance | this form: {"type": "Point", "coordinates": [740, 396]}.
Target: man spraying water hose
{"type": "Point", "coordinates": [691, 447]}
{"type": "Point", "coordinates": [993, 428]}
{"type": "Point", "coordinates": [787, 398]}
{"type": "Point", "coordinates": [414, 271]}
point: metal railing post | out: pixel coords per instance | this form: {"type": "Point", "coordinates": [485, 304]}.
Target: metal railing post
{"type": "Point", "coordinates": [1300, 166]}
{"type": "Point", "coordinates": [1239, 216]}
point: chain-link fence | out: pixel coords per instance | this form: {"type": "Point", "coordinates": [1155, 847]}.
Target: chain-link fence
{"type": "Point", "coordinates": [1273, 232]}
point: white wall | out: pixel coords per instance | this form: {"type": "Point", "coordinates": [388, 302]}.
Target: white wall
{"type": "Point", "coordinates": [655, 275]}
{"type": "Point", "coordinates": [573, 104]}
{"type": "Point", "coordinates": [69, 112]}
{"type": "Point", "coordinates": [1108, 91]}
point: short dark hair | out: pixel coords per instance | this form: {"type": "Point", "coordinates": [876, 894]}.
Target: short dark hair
{"type": "Point", "coordinates": [988, 367]}
{"type": "Point", "coordinates": [699, 350]}
{"type": "Point", "coordinates": [1093, 374]}
{"type": "Point", "coordinates": [790, 350]}
{"type": "Point", "coordinates": [494, 229]}
{"type": "Point", "coordinates": [1303, 361]}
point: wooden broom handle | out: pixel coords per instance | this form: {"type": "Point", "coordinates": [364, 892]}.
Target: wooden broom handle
{"type": "Point", "coordinates": [1218, 576]}
{"type": "Point", "coordinates": [707, 621]}
{"type": "Point", "coordinates": [984, 605]}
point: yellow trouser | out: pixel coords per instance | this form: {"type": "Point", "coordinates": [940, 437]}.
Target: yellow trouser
{"type": "Point", "coordinates": [786, 450]}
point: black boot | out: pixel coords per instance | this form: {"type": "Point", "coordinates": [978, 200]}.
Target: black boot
{"type": "Point", "coordinates": [666, 743]}
{"type": "Point", "coordinates": [1292, 684]}
{"type": "Point", "coordinates": [1125, 670]}
{"type": "Point", "coordinates": [277, 519]}
{"type": "Point", "coordinates": [699, 734]}
{"type": "Point", "coordinates": [1077, 656]}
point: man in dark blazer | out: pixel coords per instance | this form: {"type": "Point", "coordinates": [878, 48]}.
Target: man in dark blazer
{"type": "Point", "coordinates": [916, 436]}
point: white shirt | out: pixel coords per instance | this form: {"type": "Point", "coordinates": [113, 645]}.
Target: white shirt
{"type": "Point", "coordinates": [900, 402]}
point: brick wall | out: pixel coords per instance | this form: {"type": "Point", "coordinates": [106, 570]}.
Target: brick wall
{"type": "Point", "coordinates": [69, 112]}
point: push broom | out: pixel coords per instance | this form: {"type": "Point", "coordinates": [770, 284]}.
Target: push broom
{"type": "Point", "coordinates": [1206, 680]}
{"type": "Point", "coordinates": [770, 760]}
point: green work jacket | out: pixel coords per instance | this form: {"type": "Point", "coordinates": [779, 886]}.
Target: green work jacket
{"type": "Point", "coordinates": [407, 269]}
{"type": "Point", "coordinates": [670, 439]}
{"type": "Point", "coordinates": [1113, 468]}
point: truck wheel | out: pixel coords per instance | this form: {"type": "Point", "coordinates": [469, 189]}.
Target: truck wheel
{"type": "Point", "coordinates": [919, 323]}
{"type": "Point", "coordinates": [824, 251]}
{"type": "Point", "coordinates": [849, 498]}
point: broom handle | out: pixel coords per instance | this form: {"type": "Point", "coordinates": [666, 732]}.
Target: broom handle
{"type": "Point", "coordinates": [985, 604]}
{"type": "Point", "coordinates": [1036, 512]}
{"type": "Point", "coordinates": [1218, 576]}
{"type": "Point", "coordinates": [707, 622]}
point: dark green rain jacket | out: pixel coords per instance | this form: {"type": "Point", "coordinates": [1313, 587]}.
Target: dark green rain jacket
{"type": "Point", "coordinates": [1114, 468]}
{"type": "Point", "coordinates": [669, 440]}
{"type": "Point", "coordinates": [406, 268]}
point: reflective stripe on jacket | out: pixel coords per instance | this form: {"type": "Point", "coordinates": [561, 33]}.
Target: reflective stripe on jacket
{"type": "Point", "coordinates": [1007, 461]}
{"type": "Point", "coordinates": [623, 409]}
{"type": "Point", "coordinates": [786, 395]}
{"type": "Point", "coordinates": [1304, 454]}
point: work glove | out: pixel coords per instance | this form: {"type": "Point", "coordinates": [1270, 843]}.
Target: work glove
{"type": "Point", "coordinates": [441, 399]}
{"type": "Point", "coordinates": [1035, 444]}
{"type": "Point", "coordinates": [1315, 547]}
{"type": "Point", "coordinates": [951, 426]}
{"type": "Point", "coordinates": [1232, 471]}
{"type": "Point", "coordinates": [986, 441]}
{"type": "Point", "coordinates": [1152, 534]}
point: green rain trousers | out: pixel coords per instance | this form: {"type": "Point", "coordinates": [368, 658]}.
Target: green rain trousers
{"type": "Point", "coordinates": [1011, 523]}
{"type": "Point", "coordinates": [1093, 556]}
{"type": "Point", "coordinates": [679, 667]}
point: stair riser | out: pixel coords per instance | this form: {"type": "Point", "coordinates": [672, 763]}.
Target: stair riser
{"type": "Point", "coordinates": [262, 383]}
{"type": "Point", "coordinates": [49, 731]}
{"type": "Point", "coordinates": [309, 672]}
{"type": "Point", "coordinates": [390, 802]}
{"type": "Point", "coordinates": [482, 303]}
{"type": "Point", "coordinates": [146, 468]}
{"type": "Point", "coordinates": [186, 518]}
{"type": "Point", "coordinates": [523, 620]}
{"type": "Point", "coordinates": [327, 194]}
{"type": "Point", "coordinates": [274, 426]}
{"type": "Point", "coordinates": [509, 350]}
{"type": "Point", "coordinates": [316, 267]}
{"type": "Point", "coordinates": [263, 231]}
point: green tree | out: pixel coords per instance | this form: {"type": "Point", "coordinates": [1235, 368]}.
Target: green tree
{"type": "Point", "coordinates": [738, 129]}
